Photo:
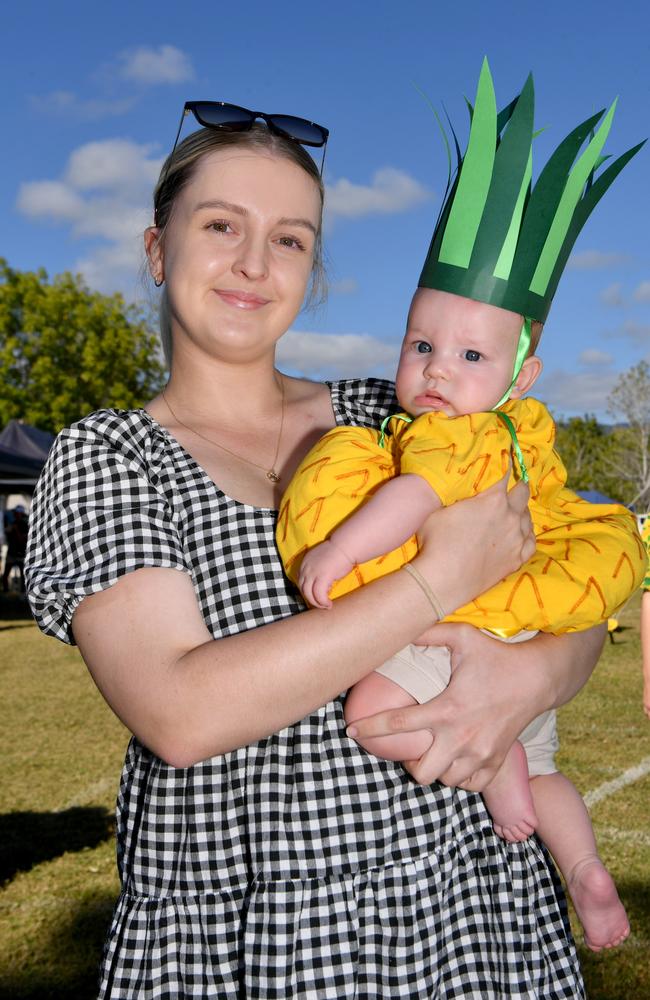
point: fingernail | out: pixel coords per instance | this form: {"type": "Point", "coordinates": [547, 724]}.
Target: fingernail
{"type": "Point", "coordinates": [351, 731]}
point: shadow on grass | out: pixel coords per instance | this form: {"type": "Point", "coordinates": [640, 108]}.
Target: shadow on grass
{"type": "Point", "coordinates": [14, 607]}
{"type": "Point", "coordinates": [28, 838]}
{"type": "Point", "coordinates": [623, 973]}
{"type": "Point", "coordinates": [67, 965]}
{"type": "Point", "coordinates": [65, 968]}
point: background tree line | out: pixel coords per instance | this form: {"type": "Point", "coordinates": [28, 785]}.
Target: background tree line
{"type": "Point", "coordinates": [66, 350]}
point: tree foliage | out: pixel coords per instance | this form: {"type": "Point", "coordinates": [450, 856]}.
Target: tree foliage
{"type": "Point", "coordinates": [66, 350]}
{"type": "Point", "coordinates": [629, 458]}
{"type": "Point", "coordinates": [581, 442]}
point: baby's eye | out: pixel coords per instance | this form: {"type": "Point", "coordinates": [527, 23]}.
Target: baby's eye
{"type": "Point", "coordinates": [422, 347]}
{"type": "Point", "coordinates": [472, 356]}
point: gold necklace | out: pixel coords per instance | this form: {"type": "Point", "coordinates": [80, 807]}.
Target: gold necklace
{"type": "Point", "coordinates": [270, 473]}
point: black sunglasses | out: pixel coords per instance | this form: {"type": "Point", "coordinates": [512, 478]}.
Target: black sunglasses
{"type": "Point", "coordinates": [232, 118]}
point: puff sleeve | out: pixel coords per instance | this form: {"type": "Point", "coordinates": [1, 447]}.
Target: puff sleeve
{"type": "Point", "coordinates": [99, 512]}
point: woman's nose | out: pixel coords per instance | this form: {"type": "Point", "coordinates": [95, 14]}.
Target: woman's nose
{"type": "Point", "coordinates": [251, 258]}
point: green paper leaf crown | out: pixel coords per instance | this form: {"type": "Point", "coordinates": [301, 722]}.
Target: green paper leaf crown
{"type": "Point", "coordinates": [498, 241]}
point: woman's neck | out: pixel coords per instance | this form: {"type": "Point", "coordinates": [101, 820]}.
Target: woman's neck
{"type": "Point", "coordinates": [214, 389]}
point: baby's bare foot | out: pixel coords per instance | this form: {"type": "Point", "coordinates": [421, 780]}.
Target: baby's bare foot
{"type": "Point", "coordinates": [509, 800]}
{"type": "Point", "coordinates": [597, 904]}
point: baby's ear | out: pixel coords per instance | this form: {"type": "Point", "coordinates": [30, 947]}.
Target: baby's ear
{"type": "Point", "coordinates": [530, 372]}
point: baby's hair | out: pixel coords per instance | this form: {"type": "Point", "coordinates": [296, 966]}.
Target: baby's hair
{"type": "Point", "coordinates": [535, 334]}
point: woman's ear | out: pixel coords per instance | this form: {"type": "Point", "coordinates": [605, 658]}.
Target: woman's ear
{"type": "Point", "coordinates": [530, 372]}
{"type": "Point", "coordinates": [154, 252]}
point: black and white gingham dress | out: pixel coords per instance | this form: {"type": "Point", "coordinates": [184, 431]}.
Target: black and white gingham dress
{"type": "Point", "coordinates": [300, 866]}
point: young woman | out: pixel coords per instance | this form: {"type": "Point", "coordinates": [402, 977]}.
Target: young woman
{"type": "Point", "coordinates": [262, 852]}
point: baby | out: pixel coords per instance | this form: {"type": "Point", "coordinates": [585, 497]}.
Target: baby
{"type": "Point", "coordinates": [455, 365]}
{"type": "Point", "coordinates": [357, 500]}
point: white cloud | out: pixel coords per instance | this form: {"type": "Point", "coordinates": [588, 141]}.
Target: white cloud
{"type": "Point", "coordinates": [391, 191]}
{"type": "Point", "coordinates": [346, 286]}
{"type": "Point", "coordinates": [113, 164]}
{"type": "Point", "coordinates": [49, 199]}
{"type": "Point", "coordinates": [612, 295]}
{"type": "Point", "coordinates": [637, 333]}
{"type": "Point", "coordinates": [66, 103]}
{"type": "Point", "coordinates": [567, 393]}
{"type": "Point", "coordinates": [595, 260]}
{"type": "Point", "coordinates": [642, 292]}
{"type": "Point", "coordinates": [337, 355]}
{"type": "Point", "coordinates": [166, 64]}
{"type": "Point", "coordinates": [104, 194]}
{"type": "Point", "coordinates": [592, 356]}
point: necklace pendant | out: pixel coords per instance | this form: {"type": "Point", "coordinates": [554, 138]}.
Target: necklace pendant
{"type": "Point", "coordinates": [273, 476]}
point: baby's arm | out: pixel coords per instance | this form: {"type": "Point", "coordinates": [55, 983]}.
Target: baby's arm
{"type": "Point", "coordinates": [391, 516]}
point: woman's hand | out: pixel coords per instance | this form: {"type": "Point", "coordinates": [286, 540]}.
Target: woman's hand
{"type": "Point", "coordinates": [474, 543]}
{"type": "Point", "coordinates": [489, 701]}
{"type": "Point", "coordinates": [495, 690]}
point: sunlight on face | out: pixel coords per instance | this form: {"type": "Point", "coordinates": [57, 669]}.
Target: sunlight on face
{"type": "Point", "coordinates": [238, 253]}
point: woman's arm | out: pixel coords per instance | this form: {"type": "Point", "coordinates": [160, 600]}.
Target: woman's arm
{"type": "Point", "coordinates": [495, 690]}
{"type": "Point", "coordinates": [189, 697]}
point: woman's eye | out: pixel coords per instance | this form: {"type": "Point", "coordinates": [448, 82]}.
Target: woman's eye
{"type": "Point", "coordinates": [472, 356]}
{"type": "Point", "coordinates": [422, 347]}
{"type": "Point", "coordinates": [291, 242]}
{"type": "Point", "coordinates": [220, 227]}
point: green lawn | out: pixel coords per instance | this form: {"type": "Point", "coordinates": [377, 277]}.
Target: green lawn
{"type": "Point", "coordinates": [62, 752]}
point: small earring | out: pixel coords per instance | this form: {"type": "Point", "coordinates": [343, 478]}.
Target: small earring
{"type": "Point", "coordinates": [158, 283]}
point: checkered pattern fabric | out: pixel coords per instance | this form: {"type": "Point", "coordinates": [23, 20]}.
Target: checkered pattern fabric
{"type": "Point", "coordinates": [299, 866]}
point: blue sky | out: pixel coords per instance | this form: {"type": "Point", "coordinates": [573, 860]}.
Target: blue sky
{"type": "Point", "coordinates": [92, 94]}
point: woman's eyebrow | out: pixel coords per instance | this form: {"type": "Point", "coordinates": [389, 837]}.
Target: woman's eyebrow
{"type": "Point", "coordinates": [230, 206]}
{"type": "Point", "coordinates": [305, 223]}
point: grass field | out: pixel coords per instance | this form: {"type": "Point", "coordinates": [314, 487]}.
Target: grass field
{"type": "Point", "coordinates": [62, 752]}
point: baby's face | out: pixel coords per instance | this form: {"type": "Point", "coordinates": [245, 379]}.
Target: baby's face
{"type": "Point", "coordinates": [457, 356]}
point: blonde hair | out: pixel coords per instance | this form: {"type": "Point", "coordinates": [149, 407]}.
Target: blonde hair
{"type": "Point", "coordinates": [178, 169]}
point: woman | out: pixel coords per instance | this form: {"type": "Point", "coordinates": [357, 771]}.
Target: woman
{"type": "Point", "coordinates": [262, 853]}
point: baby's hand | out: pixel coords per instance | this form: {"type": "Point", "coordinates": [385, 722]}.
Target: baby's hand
{"type": "Point", "coordinates": [320, 568]}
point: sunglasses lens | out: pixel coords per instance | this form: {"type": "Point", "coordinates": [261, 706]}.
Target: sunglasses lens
{"type": "Point", "coordinates": [299, 129]}
{"type": "Point", "coordinates": [212, 114]}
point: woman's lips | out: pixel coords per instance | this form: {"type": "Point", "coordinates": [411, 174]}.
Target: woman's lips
{"type": "Point", "coordinates": [241, 300]}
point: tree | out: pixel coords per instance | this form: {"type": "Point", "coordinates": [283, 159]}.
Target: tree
{"type": "Point", "coordinates": [581, 442]}
{"type": "Point", "coordinates": [66, 350]}
{"type": "Point", "coordinates": [629, 457]}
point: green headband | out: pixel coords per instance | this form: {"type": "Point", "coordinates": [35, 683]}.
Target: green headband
{"type": "Point", "coordinates": [498, 241]}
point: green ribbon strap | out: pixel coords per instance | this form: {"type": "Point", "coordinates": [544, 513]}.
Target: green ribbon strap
{"type": "Point", "coordinates": [515, 445]}
{"type": "Point", "coordinates": [522, 354]}
{"type": "Point", "coordinates": [385, 422]}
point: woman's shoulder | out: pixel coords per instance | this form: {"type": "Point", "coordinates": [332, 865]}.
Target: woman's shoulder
{"type": "Point", "coordinates": [363, 401]}
{"type": "Point", "coordinates": [129, 434]}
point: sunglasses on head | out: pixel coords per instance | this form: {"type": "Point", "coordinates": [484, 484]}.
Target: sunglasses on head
{"type": "Point", "coordinates": [232, 118]}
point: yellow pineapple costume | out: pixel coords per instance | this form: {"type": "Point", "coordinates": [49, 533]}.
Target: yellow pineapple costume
{"type": "Point", "coordinates": [561, 589]}
{"type": "Point", "coordinates": [645, 535]}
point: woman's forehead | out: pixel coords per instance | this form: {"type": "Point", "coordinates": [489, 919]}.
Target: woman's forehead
{"type": "Point", "coordinates": [244, 175]}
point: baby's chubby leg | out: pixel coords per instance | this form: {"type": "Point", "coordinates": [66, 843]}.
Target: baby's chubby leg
{"type": "Point", "coordinates": [412, 676]}
{"type": "Point", "coordinates": [508, 797]}
{"type": "Point", "coordinates": [565, 827]}
{"type": "Point", "coordinates": [376, 693]}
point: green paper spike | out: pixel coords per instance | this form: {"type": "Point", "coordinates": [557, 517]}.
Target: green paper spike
{"type": "Point", "coordinates": [570, 197]}
{"type": "Point", "coordinates": [512, 162]}
{"type": "Point", "coordinates": [474, 180]}
{"type": "Point", "coordinates": [497, 240]}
